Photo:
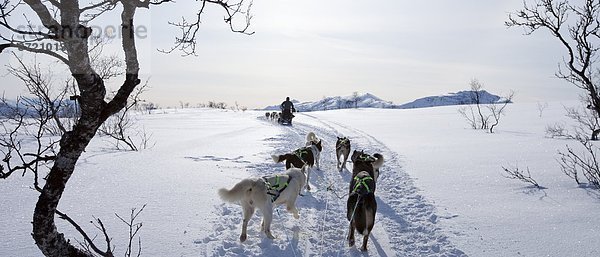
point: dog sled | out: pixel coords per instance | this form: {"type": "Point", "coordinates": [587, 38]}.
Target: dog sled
{"type": "Point", "coordinates": [285, 118]}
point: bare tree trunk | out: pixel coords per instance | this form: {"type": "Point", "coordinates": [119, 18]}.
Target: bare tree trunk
{"type": "Point", "coordinates": [94, 111]}
{"type": "Point", "coordinates": [45, 234]}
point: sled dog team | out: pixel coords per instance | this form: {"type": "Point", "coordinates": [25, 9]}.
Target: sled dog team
{"type": "Point", "coordinates": [273, 116]}
{"type": "Point", "coordinates": [269, 191]}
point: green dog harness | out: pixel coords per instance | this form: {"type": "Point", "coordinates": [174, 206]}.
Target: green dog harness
{"type": "Point", "coordinates": [275, 186]}
{"type": "Point", "coordinates": [362, 182]}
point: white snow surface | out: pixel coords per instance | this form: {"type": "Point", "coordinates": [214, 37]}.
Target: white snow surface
{"type": "Point", "coordinates": [441, 191]}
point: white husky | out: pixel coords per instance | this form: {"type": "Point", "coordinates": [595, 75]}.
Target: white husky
{"type": "Point", "coordinates": [264, 193]}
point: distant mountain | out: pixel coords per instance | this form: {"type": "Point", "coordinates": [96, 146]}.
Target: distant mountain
{"type": "Point", "coordinates": [458, 98]}
{"type": "Point", "coordinates": [339, 102]}
{"type": "Point", "coordinates": [9, 108]}
{"type": "Point", "coordinates": [370, 101]}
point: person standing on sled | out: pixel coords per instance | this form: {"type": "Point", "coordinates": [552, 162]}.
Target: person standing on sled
{"type": "Point", "coordinates": [287, 107]}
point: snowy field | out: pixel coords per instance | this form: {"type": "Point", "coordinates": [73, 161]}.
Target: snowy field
{"type": "Point", "coordinates": [441, 191]}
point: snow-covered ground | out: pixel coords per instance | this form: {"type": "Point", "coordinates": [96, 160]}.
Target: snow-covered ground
{"type": "Point", "coordinates": [441, 190]}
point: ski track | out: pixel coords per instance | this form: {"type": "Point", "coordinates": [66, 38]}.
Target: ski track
{"type": "Point", "coordinates": [405, 225]}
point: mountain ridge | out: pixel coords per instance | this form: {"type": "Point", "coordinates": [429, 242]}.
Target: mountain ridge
{"type": "Point", "coordinates": [369, 100]}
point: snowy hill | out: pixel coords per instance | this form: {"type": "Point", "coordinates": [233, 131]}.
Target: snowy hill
{"type": "Point", "coordinates": [458, 98]}
{"type": "Point", "coordinates": [339, 102]}
{"type": "Point", "coordinates": [9, 108]}
{"type": "Point", "coordinates": [371, 101]}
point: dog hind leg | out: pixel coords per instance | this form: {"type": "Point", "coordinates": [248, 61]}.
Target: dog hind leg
{"type": "Point", "coordinates": [308, 178]}
{"type": "Point", "coordinates": [248, 211]}
{"type": "Point", "coordinates": [364, 245]}
{"type": "Point", "coordinates": [370, 218]}
{"type": "Point", "coordinates": [351, 234]}
{"type": "Point", "coordinates": [267, 211]}
{"type": "Point", "coordinates": [291, 206]}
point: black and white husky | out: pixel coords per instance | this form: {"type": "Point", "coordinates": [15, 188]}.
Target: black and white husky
{"type": "Point", "coordinates": [308, 156]}
{"type": "Point", "coordinates": [265, 193]}
{"type": "Point", "coordinates": [362, 205]}
{"type": "Point", "coordinates": [342, 147]}
{"type": "Point", "coordinates": [376, 161]}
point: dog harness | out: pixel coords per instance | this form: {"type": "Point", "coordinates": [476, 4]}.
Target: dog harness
{"type": "Point", "coordinates": [361, 187]}
{"type": "Point", "coordinates": [274, 188]}
{"type": "Point", "coordinates": [343, 142]}
{"type": "Point", "coordinates": [301, 153]}
{"type": "Point", "coordinates": [366, 158]}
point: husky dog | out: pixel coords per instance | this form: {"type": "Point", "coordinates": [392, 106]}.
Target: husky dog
{"type": "Point", "coordinates": [303, 156]}
{"type": "Point", "coordinates": [274, 115]}
{"type": "Point", "coordinates": [265, 193]}
{"type": "Point", "coordinates": [268, 115]}
{"type": "Point", "coordinates": [361, 160]}
{"type": "Point", "coordinates": [361, 207]}
{"type": "Point", "coordinates": [342, 147]}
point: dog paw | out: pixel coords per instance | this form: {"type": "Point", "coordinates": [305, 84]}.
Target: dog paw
{"type": "Point", "coordinates": [364, 248]}
{"type": "Point", "coordinates": [351, 242]}
{"type": "Point", "coordinates": [296, 216]}
{"type": "Point", "coordinates": [242, 238]}
{"type": "Point", "coordinates": [270, 236]}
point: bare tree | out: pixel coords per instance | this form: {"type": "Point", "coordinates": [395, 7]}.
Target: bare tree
{"type": "Point", "coordinates": [497, 110]}
{"type": "Point", "coordinates": [585, 163]}
{"type": "Point", "coordinates": [120, 126]}
{"type": "Point", "coordinates": [480, 115]}
{"type": "Point", "coordinates": [577, 29]}
{"type": "Point", "coordinates": [541, 107]}
{"type": "Point", "coordinates": [558, 130]}
{"type": "Point", "coordinates": [355, 99]}
{"type": "Point", "coordinates": [66, 24]}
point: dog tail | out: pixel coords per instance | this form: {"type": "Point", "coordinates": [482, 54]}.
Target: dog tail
{"type": "Point", "coordinates": [379, 162]}
{"type": "Point", "coordinates": [279, 158]}
{"type": "Point", "coordinates": [237, 192]}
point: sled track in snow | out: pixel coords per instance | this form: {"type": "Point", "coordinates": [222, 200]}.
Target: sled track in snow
{"type": "Point", "coordinates": [405, 222]}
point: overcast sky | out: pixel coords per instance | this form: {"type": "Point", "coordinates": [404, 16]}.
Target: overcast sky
{"type": "Point", "coordinates": [398, 50]}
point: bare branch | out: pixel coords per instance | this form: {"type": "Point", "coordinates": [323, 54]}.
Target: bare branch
{"type": "Point", "coordinates": [186, 43]}
{"type": "Point", "coordinates": [86, 237]}
{"type": "Point", "coordinates": [35, 50]}
{"type": "Point", "coordinates": [134, 228]}
{"type": "Point", "coordinates": [515, 173]}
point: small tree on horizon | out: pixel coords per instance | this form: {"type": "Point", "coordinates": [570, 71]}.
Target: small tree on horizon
{"type": "Point", "coordinates": [355, 98]}
{"type": "Point", "coordinates": [480, 115]}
